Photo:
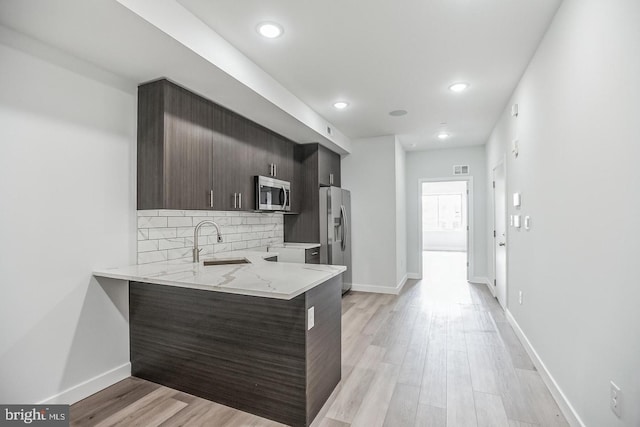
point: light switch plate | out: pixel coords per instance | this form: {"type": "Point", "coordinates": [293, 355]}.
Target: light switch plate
{"type": "Point", "coordinates": [615, 401]}
{"type": "Point", "coordinates": [516, 200]}
{"type": "Point", "coordinates": [311, 318]}
{"type": "Point", "coordinates": [514, 110]}
{"type": "Point", "coordinates": [527, 222]}
{"type": "Point", "coordinates": [516, 221]}
{"type": "Point", "coordinates": [515, 148]}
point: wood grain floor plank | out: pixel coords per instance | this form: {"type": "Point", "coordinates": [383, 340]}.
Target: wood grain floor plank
{"type": "Point", "coordinates": [149, 402]}
{"type": "Point", "coordinates": [352, 393]}
{"type": "Point", "coordinates": [374, 406]}
{"type": "Point", "coordinates": [433, 390]}
{"type": "Point", "coordinates": [519, 357]}
{"type": "Point", "coordinates": [328, 422]}
{"type": "Point", "coordinates": [371, 357]}
{"type": "Point", "coordinates": [403, 407]}
{"type": "Point", "coordinates": [413, 364]}
{"type": "Point", "coordinates": [461, 409]}
{"type": "Point", "coordinates": [515, 400]}
{"type": "Point", "coordinates": [399, 345]}
{"type": "Point", "coordinates": [513, 423]}
{"type": "Point", "coordinates": [96, 408]}
{"type": "Point", "coordinates": [156, 416]}
{"type": "Point", "coordinates": [456, 340]}
{"type": "Point", "coordinates": [539, 397]}
{"type": "Point", "coordinates": [490, 410]}
{"type": "Point", "coordinates": [484, 375]}
{"type": "Point", "coordinates": [430, 416]}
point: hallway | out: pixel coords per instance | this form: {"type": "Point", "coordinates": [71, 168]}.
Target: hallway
{"type": "Point", "coordinates": [439, 354]}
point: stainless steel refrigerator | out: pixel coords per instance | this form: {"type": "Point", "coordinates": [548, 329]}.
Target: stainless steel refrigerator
{"type": "Point", "coordinates": [335, 230]}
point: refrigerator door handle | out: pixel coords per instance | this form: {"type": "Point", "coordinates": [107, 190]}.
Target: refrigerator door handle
{"type": "Point", "coordinates": [345, 231]}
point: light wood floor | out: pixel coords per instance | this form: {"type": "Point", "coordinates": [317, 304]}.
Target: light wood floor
{"type": "Point", "coordinates": [439, 354]}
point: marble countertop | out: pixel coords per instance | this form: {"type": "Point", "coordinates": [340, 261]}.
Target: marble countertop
{"type": "Point", "coordinates": [295, 245]}
{"type": "Point", "coordinates": [259, 278]}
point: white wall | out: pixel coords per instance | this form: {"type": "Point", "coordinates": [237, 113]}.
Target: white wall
{"type": "Point", "coordinates": [370, 173]}
{"type": "Point", "coordinates": [401, 217]}
{"type": "Point", "coordinates": [579, 134]}
{"type": "Point", "coordinates": [68, 205]}
{"type": "Point", "coordinates": [439, 164]}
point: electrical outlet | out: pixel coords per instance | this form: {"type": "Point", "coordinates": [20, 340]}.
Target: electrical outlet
{"type": "Point", "coordinates": [311, 318]}
{"type": "Point", "coordinates": [520, 297]}
{"type": "Point", "coordinates": [615, 400]}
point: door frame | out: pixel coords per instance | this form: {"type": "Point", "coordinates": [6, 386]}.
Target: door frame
{"type": "Point", "coordinates": [492, 286]}
{"type": "Point", "coordinates": [470, 220]}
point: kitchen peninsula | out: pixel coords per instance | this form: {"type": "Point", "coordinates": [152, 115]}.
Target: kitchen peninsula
{"type": "Point", "coordinates": [263, 337]}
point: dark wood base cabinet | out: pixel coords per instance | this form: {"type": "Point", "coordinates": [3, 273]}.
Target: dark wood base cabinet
{"type": "Point", "coordinates": [251, 353]}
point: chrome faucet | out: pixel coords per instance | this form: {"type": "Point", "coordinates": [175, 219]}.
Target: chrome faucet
{"type": "Point", "coordinates": [196, 251]}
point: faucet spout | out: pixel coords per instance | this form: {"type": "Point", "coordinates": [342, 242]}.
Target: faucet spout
{"type": "Point", "coordinates": [196, 251]}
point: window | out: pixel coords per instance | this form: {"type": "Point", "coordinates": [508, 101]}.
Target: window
{"type": "Point", "coordinates": [442, 212]}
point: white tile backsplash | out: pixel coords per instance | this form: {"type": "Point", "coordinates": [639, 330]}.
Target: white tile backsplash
{"type": "Point", "coordinates": [179, 221]}
{"type": "Point", "coordinates": [168, 234]}
{"type": "Point", "coordinates": [152, 221]}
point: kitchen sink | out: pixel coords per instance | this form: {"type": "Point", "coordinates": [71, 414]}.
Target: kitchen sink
{"type": "Point", "coordinates": [226, 261]}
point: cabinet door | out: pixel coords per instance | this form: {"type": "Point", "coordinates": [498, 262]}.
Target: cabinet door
{"type": "Point", "coordinates": [335, 169]}
{"type": "Point", "coordinates": [328, 167]}
{"type": "Point", "coordinates": [232, 178]}
{"type": "Point", "coordinates": [188, 146]}
{"type": "Point", "coordinates": [284, 159]}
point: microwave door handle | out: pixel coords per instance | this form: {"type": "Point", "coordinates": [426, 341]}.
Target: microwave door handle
{"type": "Point", "coordinates": [284, 205]}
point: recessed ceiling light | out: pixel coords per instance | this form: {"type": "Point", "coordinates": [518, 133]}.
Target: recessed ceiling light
{"type": "Point", "coordinates": [398, 113]}
{"type": "Point", "coordinates": [458, 87]}
{"type": "Point", "coordinates": [341, 105]}
{"type": "Point", "coordinates": [270, 30]}
{"type": "Point", "coordinates": [443, 135]}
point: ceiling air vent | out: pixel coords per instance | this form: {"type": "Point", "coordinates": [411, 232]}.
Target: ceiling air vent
{"type": "Point", "coordinates": [461, 169]}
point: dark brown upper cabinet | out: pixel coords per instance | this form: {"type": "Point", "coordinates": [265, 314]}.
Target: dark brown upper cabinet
{"type": "Point", "coordinates": [328, 167]}
{"type": "Point", "coordinates": [195, 154]}
{"type": "Point", "coordinates": [315, 166]}
{"type": "Point", "coordinates": [175, 148]}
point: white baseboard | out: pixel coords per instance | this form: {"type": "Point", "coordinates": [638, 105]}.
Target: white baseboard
{"type": "Point", "coordinates": [403, 281]}
{"type": "Point", "coordinates": [415, 276]}
{"type": "Point", "coordinates": [91, 386]}
{"type": "Point", "coordinates": [380, 289]}
{"type": "Point", "coordinates": [565, 406]}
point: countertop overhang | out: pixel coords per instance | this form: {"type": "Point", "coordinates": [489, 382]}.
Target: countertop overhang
{"type": "Point", "coordinates": [259, 278]}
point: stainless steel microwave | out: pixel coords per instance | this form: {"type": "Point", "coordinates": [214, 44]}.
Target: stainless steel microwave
{"type": "Point", "coordinates": [272, 194]}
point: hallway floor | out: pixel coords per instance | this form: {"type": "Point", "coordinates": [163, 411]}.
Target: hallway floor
{"type": "Point", "coordinates": [439, 354]}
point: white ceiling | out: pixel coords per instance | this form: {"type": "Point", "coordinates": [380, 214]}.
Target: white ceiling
{"type": "Point", "coordinates": [383, 55]}
{"type": "Point", "coordinates": [379, 55]}
{"type": "Point", "coordinates": [89, 37]}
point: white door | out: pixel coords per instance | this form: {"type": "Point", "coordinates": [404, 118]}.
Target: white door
{"type": "Point", "coordinates": [500, 234]}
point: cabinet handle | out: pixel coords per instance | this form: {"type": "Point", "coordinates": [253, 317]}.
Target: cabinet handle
{"type": "Point", "coordinates": [235, 200]}
{"type": "Point", "coordinates": [211, 198]}
{"type": "Point", "coordinates": [239, 200]}
{"type": "Point", "coordinates": [331, 178]}
{"type": "Point", "coordinates": [314, 253]}
{"type": "Point", "coordinates": [275, 170]}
